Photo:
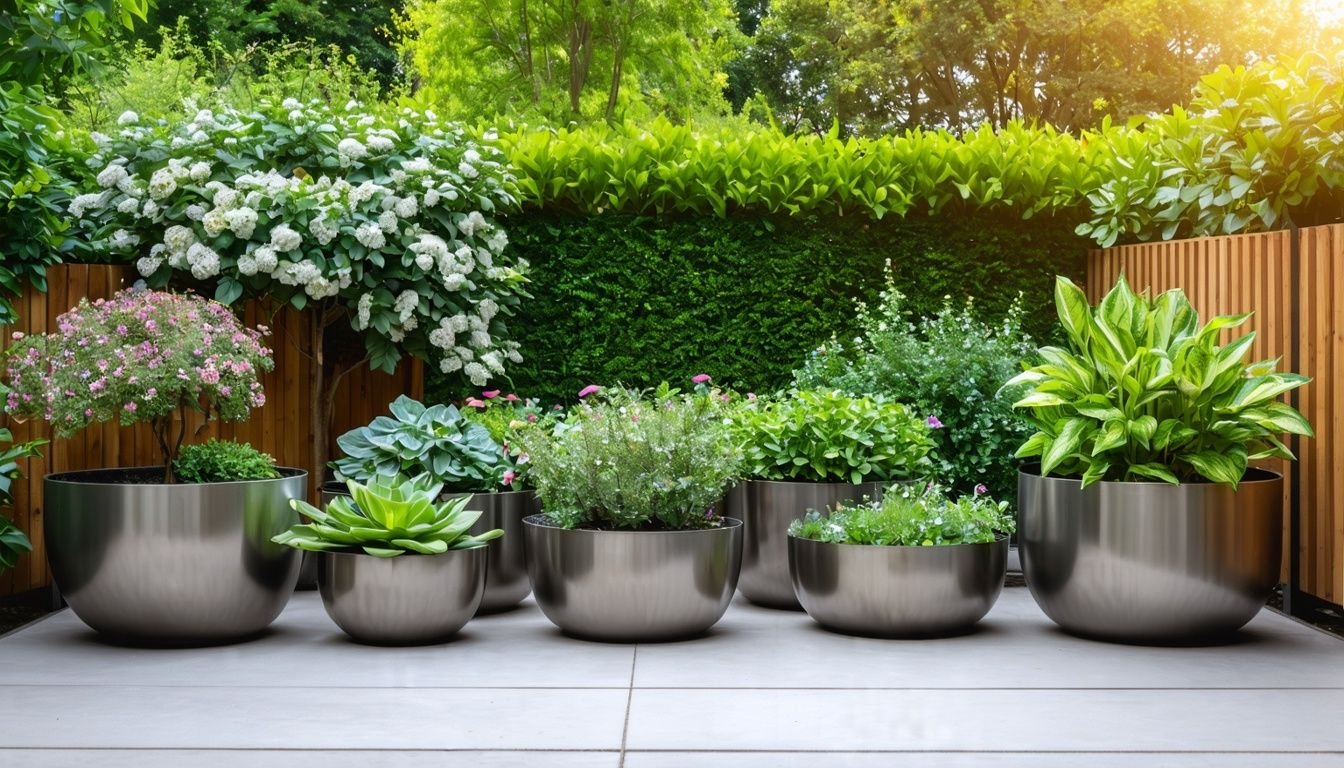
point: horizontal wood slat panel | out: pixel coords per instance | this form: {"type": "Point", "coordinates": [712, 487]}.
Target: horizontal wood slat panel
{"type": "Point", "coordinates": [281, 428]}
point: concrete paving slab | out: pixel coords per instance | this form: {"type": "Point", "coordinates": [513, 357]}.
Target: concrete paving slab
{"type": "Point", "coordinates": [1015, 646]}
{"type": "Point", "coordinates": [989, 720]}
{"type": "Point", "coordinates": [306, 718]}
{"type": "Point", "coordinates": [305, 649]}
{"type": "Point", "coordinates": [184, 758]}
{"type": "Point", "coordinates": [976, 760]}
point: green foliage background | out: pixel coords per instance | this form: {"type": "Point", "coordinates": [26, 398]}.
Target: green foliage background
{"type": "Point", "coordinates": [639, 299]}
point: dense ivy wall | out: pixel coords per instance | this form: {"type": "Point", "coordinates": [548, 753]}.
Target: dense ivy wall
{"type": "Point", "coordinates": [639, 299]}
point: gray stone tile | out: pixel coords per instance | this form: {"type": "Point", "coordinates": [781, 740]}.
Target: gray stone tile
{"type": "Point", "coordinates": [1016, 646]}
{"type": "Point", "coordinates": [184, 758]}
{"type": "Point", "coordinates": [304, 648]}
{"type": "Point", "coordinates": [975, 760]}
{"type": "Point", "coordinates": [313, 719]}
{"type": "Point", "coordinates": [988, 721]}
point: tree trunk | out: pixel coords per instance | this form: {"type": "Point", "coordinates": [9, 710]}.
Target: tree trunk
{"type": "Point", "coordinates": [318, 413]}
{"type": "Point", "coordinates": [614, 92]}
{"type": "Point", "coordinates": [580, 57]}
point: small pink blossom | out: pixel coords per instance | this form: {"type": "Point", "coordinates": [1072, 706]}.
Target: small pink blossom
{"type": "Point", "coordinates": [473, 402]}
{"type": "Point", "coordinates": [981, 489]}
{"type": "Point", "coordinates": [510, 398]}
{"type": "Point", "coordinates": [933, 423]}
{"type": "Point", "coordinates": [131, 407]}
{"type": "Point", "coordinates": [508, 477]}
{"type": "Point", "coordinates": [532, 418]}
{"type": "Point", "coordinates": [490, 394]}
{"type": "Point", "coordinates": [591, 389]}
{"type": "Point", "coordinates": [701, 378]}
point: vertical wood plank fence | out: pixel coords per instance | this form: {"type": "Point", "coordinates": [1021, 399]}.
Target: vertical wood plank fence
{"type": "Point", "coordinates": [1294, 282]}
{"type": "Point", "coordinates": [281, 428]}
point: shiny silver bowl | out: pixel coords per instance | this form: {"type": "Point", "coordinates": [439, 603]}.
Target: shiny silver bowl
{"type": "Point", "coordinates": [897, 591]}
{"type": "Point", "coordinates": [1151, 562]}
{"type": "Point", "coordinates": [148, 562]}
{"type": "Point", "coordinates": [770, 506]}
{"type": "Point", "coordinates": [632, 586]}
{"type": "Point", "coordinates": [405, 600]}
{"type": "Point", "coordinates": [506, 581]}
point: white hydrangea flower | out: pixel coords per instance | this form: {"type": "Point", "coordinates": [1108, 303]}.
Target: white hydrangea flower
{"type": "Point", "coordinates": [406, 207]}
{"type": "Point", "coordinates": [178, 238]}
{"type": "Point", "coordinates": [497, 242]}
{"type": "Point", "coordinates": [247, 264]}
{"type": "Point", "coordinates": [350, 150]}
{"type": "Point", "coordinates": [465, 354]}
{"type": "Point", "coordinates": [127, 118]}
{"type": "Point", "coordinates": [200, 137]}
{"type": "Point", "coordinates": [480, 339]}
{"type": "Point", "coordinates": [487, 309]}
{"type": "Point", "coordinates": [290, 103]}
{"type": "Point", "coordinates": [396, 334]}
{"type": "Point", "coordinates": [491, 361]}
{"type": "Point", "coordinates": [471, 156]}
{"type": "Point", "coordinates": [203, 260]}
{"type": "Point", "coordinates": [370, 235]}
{"type": "Point", "coordinates": [476, 373]}
{"type": "Point", "coordinates": [417, 165]}
{"type": "Point", "coordinates": [442, 337]}
{"type": "Point", "coordinates": [266, 259]}
{"type": "Point", "coordinates": [112, 175]}
{"type": "Point", "coordinates": [379, 144]}
{"type": "Point", "coordinates": [405, 305]}
{"type": "Point", "coordinates": [450, 365]}
{"type": "Point", "coordinates": [123, 239]}
{"type": "Point", "coordinates": [242, 221]}
{"type": "Point", "coordinates": [387, 220]}
{"type": "Point", "coordinates": [284, 239]}
{"type": "Point", "coordinates": [320, 288]}
{"type": "Point", "coordinates": [424, 261]}
{"type": "Point", "coordinates": [82, 203]}
{"type": "Point", "coordinates": [225, 197]}
{"type": "Point", "coordinates": [458, 323]}
{"type": "Point", "coordinates": [321, 231]}
{"type": "Point", "coordinates": [100, 140]}
{"type": "Point", "coordinates": [362, 310]}
{"type": "Point", "coordinates": [513, 355]}
{"type": "Point", "coordinates": [471, 223]}
{"type": "Point", "coordinates": [150, 209]}
{"type": "Point", "coordinates": [467, 170]}
{"type": "Point", "coordinates": [195, 212]}
{"type": "Point", "coordinates": [128, 186]}
{"type": "Point", "coordinates": [454, 282]}
{"type": "Point", "coordinates": [215, 222]}
{"type": "Point", "coordinates": [127, 205]}
{"type": "Point", "coordinates": [431, 198]}
{"type": "Point", "coordinates": [148, 265]}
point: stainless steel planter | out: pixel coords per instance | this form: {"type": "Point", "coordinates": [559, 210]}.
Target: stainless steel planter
{"type": "Point", "coordinates": [1150, 562]}
{"type": "Point", "coordinates": [770, 506]}
{"type": "Point", "coordinates": [404, 600]}
{"type": "Point", "coordinates": [897, 591]}
{"type": "Point", "coordinates": [308, 568]}
{"type": "Point", "coordinates": [632, 586]}
{"type": "Point", "coordinates": [172, 564]}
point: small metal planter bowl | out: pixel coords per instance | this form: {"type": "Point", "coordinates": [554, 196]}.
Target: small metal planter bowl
{"type": "Point", "coordinates": [506, 581]}
{"type": "Point", "coordinates": [769, 507]}
{"type": "Point", "coordinates": [172, 564]}
{"type": "Point", "coordinates": [633, 586]}
{"type": "Point", "coordinates": [405, 600]}
{"type": "Point", "coordinates": [1150, 562]}
{"type": "Point", "coordinates": [886, 591]}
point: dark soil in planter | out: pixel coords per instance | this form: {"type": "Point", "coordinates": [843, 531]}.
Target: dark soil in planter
{"type": "Point", "coordinates": [654, 527]}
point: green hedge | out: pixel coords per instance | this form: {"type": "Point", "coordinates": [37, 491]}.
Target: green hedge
{"type": "Point", "coordinates": [640, 299]}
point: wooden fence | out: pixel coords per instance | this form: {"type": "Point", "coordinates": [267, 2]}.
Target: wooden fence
{"type": "Point", "coordinates": [281, 428]}
{"type": "Point", "coordinates": [1294, 282]}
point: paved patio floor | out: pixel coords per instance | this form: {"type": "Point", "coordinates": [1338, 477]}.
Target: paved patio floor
{"type": "Point", "coordinates": [765, 688]}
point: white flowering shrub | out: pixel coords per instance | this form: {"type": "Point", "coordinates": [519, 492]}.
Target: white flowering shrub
{"type": "Point", "coordinates": [384, 219]}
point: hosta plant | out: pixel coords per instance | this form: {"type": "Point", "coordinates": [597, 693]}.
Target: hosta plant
{"type": "Point", "coordinates": [436, 440]}
{"type": "Point", "coordinates": [389, 516]}
{"type": "Point", "coordinates": [828, 436]}
{"type": "Point", "coordinates": [911, 517]}
{"type": "Point", "coordinates": [1144, 392]}
{"type": "Point", "coordinates": [631, 460]}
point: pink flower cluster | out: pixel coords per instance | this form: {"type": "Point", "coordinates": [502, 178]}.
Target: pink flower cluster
{"type": "Point", "coordinates": [138, 356]}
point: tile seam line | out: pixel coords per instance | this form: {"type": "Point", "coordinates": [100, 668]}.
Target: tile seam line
{"type": "Point", "coordinates": [629, 700]}
{"type": "Point", "coordinates": [688, 750]}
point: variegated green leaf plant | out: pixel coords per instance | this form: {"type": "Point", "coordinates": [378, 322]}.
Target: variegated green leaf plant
{"type": "Point", "coordinates": [1143, 392]}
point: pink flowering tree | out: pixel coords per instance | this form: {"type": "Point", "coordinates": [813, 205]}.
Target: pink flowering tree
{"type": "Point", "coordinates": [141, 356]}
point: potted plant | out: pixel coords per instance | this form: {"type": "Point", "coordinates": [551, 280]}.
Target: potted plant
{"type": "Point", "coordinates": [158, 554]}
{"type": "Point", "coordinates": [628, 546]}
{"type": "Point", "coordinates": [810, 451]}
{"type": "Point", "coordinates": [913, 563]}
{"type": "Point", "coordinates": [13, 542]}
{"type": "Point", "coordinates": [465, 459]}
{"type": "Point", "coordinates": [1143, 519]}
{"type": "Point", "coordinates": [396, 565]}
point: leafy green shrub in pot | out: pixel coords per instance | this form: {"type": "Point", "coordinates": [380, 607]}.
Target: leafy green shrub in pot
{"type": "Point", "coordinates": [828, 436]}
{"type": "Point", "coordinates": [417, 439]}
{"type": "Point", "coordinates": [911, 517]}
{"type": "Point", "coordinates": [1145, 520]}
{"type": "Point", "coordinates": [628, 460]}
{"type": "Point", "coordinates": [13, 542]}
{"type": "Point", "coordinates": [222, 461]}
{"type": "Point", "coordinates": [951, 364]}
{"type": "Point", "coordinates": [1143, 392]}
{"type": "Point", "coordinates": [500, 414]}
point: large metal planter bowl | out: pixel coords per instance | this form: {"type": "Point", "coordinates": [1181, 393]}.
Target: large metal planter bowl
{"type": "Point", "coordinates": [171, 564]}
{"type": "Point", "coordinates": [769, 507]}
{"type": "Point", "coordinates": [1150, 562]}
{"type": "Point", "coordinates": [506, 581]}
{"type": "Point", "coordinates": [633, 586]}
{"type": "Point", "coordinates": [897, 591]}
{"type": "Point", "coordinates": [405, 600]}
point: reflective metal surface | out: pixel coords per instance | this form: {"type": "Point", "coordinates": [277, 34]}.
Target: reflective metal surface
{"type": "Point", "coordinates": [308, 568]}
{"type": "Point", "coordinates": [171, 564]}
{"type": "Point", "coordinates": [1150, 562]}
{"type": "Point", "coordinates": [404, 600]}
{"type": "Point", "coordinates": [633, 585]}
{"type": "Point", "coordinates": [506, 581]}
{"type": "Point", "coordinates": [770, 506]}
{"type": "Point", "coordinates": [897, 591]}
